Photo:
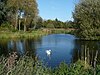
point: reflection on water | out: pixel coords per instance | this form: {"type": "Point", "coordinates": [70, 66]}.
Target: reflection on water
{"type": "Point", "coordinates": [87, 50]}
{"type": "Point", "coordinates": [20, 46]}
{"type": "Point", "coordinates": [63, 48]}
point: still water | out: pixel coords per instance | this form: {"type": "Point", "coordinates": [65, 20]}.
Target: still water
{"type": "Point", "coordinates": [64, 48]}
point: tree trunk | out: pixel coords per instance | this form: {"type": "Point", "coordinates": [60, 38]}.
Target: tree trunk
{"type": "Point", "coordinates": [85, 57]}
{"type": "Point", "coordinates": [25, 25]}
{"type": "Point", "coordinates": [95, 59]}
{"type": "Point", "coordinates": [88, 56]}
{"type": "Point", "coordinates": [92, 58]}
{"type": "Point", "coordinates": [78, 55]}
{"type": "Point", "coordinates": [34, 26]}
{"type": "Point", "coordinates": [19, 25]}
{"type": "Point", "coordinates": [16, 21]}
{"type": "Point", "coordinates": [82, 52]}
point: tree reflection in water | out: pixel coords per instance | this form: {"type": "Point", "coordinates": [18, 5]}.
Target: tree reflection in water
{"type": "Point", "coordinates": [87, 51]}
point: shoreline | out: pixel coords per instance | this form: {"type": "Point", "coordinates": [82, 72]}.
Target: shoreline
{"type": "Point", "coordinates": [31, 34]}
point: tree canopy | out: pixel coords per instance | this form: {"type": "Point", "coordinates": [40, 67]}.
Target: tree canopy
{"type": "Point", "coordinates": [87, 18]}
{"type": "Point", "coordinates": [2, 12]}
{"type": "Point", "coordinates": [27, 7]}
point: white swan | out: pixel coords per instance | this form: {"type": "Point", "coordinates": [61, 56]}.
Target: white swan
{"type": "Point", "coordinates": [48, 52]}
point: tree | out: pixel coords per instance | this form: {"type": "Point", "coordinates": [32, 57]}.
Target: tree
{"type": "Point", "coordinates": [69, 24]}
{"type": "Point", "coordinates": [48, 24]}
{"type": "Point", "coordinates": [87, 18]}
{"type": "Point", "coordinates": [2, 12]}
{"type": "Point", "coordinates": [28, 7]}
{"type": "Point", "coordinates": [57, 23]}
{"type": "Point", "coordinates": [39, 23]}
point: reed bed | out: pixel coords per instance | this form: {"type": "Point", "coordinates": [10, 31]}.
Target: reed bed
{"type": "Point", "coordinates": [27, 65]}
{"type": "Point", "coordinates": [21, 34]}
{"type": "Point", "coordinates": [32, 34]}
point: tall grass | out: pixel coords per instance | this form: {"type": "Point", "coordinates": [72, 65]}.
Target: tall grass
{"type": "Point", "coordinates": [23, 66]}
{"type": "Point", "coordinates": [21, 34]}
{"type": "Point", "coordinates": [62, 31]}
{"type": "Point", "coordinates": [32, 34]}
{"type": "Point", "coordinates": [26, 65]}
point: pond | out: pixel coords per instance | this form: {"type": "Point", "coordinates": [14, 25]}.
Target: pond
{"type": "Point", "coordinates": [64, 48]}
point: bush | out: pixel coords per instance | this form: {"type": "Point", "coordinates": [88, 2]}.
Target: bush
{"type": "Point", "coordinates": [6, 24]}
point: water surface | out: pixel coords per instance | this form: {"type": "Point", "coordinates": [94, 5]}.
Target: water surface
{"type": "Point", "coordinates": [64, 48]}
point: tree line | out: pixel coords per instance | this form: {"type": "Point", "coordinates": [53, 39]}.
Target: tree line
{"type": "Point", "coordinates": [54, 24]}
{"type": "Point", "coordinates": [23, 15]}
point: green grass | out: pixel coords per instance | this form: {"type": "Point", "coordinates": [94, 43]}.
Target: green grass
{"type": "Point", "coordinates": [62, 31]}
{"type": "Point", "coordinates": [21, 34]}
{"type": "Point", "coordinates": [31, 34]}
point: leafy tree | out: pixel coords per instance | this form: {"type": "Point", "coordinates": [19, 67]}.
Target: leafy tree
{"type": "Point", "coordinates": [27, 7]}
{"type": "Point", "coordinates": [2, 12]}
{"type": "Point", "coordinates": [57, 23]}
{"type": "Point", "coordinates": [87, 18]}
{"type": "Point", "coordinates": [39, 23]}
{"type": "Point", "coordinates": [60, 24]}
{"type": "Point", "coordinates": [69, 24]}
{"type": "Point", "coordinates": [48, 24]}
{"type": "Point", "coordinates": [53, 24]}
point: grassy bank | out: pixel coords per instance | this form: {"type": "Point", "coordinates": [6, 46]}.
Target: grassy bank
{"type": "Point", "coordinates": [21, 34]}
{"type": "Point", "coordinates": [31, 34]}
{"type": "Point", "coordinates": [28, 66]}
{"type": "Point", "coordinates": [64, 31]}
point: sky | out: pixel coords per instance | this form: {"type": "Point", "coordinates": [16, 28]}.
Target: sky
{"type": "Point", "coordinates": [60, 9]}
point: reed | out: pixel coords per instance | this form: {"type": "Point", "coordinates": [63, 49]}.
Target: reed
{"type": "Point", "coordinates": [32, 34]}
{"type": "Point", "coordinates": [26, 65]}
{"type": "Point", "coordinates": [23, 66]}
{"type": "Point", "coordinates": [62, 31]}
{"type": "Point", "coordinates": [21, 34]}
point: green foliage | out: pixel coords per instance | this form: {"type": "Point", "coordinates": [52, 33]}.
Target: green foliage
{"type": "Point", "coordinates": [39, 23]}
{"type": "Point", "coordinates": [98, 69]}
{"type": "Point", "coordinates": [6, 27]}
{"type": "Point", "coordinates": [26, 65]}
{"type": "Point", "coordinates": [2, 12]}
{"type": "Point", "coordinates": [16, 7]}
{"type": "Point", "coordinates": [10, 11]}
{"type": "Point", "coordinates": [6, 24]}
{"type": "Point", "coordinates": [63, 69]}
{"type": "Point", "coordinates": [15, 34]}
{"type": "Point", "coordinates": [69, 24]}
{"type": "Point", "coordinates": [87, 18]}
{"type": "Point", "coordinates": [79, 68]}
{"type": "Point", "coordinates": [57, 24]}
{"type": "Point", "coordinates": [61, 31]}
{"type": "Point", "coordinates": [48, 24]}
{"type": "Point", "coordinates": [2, 64]}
